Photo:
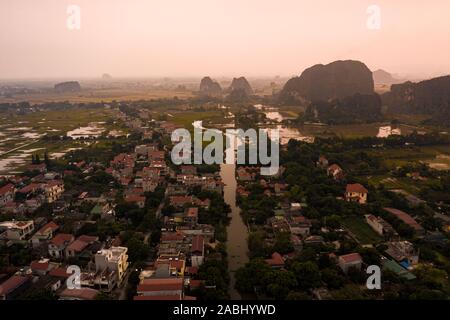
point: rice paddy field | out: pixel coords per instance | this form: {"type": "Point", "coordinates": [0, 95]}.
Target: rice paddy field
{"type": "Point", "coordinates": [23, 135]}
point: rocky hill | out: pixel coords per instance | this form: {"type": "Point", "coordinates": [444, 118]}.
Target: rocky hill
{"type": "Point", "coordinates": [323, 82]}
{"type": "Point", "coordinates": [240, 84]}
{"type": "Point", "coordinates": [431, 97]}
{"type": "Point", "coordinates": [69, 86]}
{"type": "Point", "coordinates": [359, 108]}
{"type": "Point", "coordinates": [209, 87]}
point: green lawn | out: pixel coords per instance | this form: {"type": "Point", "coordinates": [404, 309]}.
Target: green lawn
{"type": "Point", "coordinates": [361, 230]}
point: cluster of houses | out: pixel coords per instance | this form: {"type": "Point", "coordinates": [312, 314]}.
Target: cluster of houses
{"type": "Point", "coordinates": [21, 195]}
{"type": "Point", "coordinates": [400, 256]}
{"type": "Point", "coordinates": [105, 263]}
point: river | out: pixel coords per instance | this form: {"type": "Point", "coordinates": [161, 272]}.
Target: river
{"type": "Point", "coordinates": [237, 230]}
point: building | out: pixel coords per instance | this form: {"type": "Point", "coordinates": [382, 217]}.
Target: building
{"type": "Point", "coordinates": [53, 190]}
{"type": "Point", "coordinates": [78, 246]}
{"type": "Point", "coordinates": [335, 172]}
{"type": "Point", "coordinates": [407, 219]}
{"type": "Point", "coordinates": [12, 287]}
{"type": "Point", "coordinates": [356, 193]}
{"type": "Point", "coordinates": [276, 261]}
{"type": "Point", "coordinates": [78, 294]}
{"type": "Point", "coordinates": [58, 245]}
{"type": "Point", "coordinates": [168, 287]}
{"type": "Point", "coordinates": [45, 233]}
{"type": "Point", "coordinates": [322, 162]}
{"type": "Point", "coordinates": [352, 260]}
{"type": "Point", "coordinates": [380, 226]}
{"type": "Point", "coordinates": [197, 251]}
{"type": "Point", "coordinates": [113, 259]}
{"type": "Point", "coordinates": [16, 230]}
{"type": "Point", "coordinates": [7, 194]}
{"type": "Point", "coordinates": [404, 253]}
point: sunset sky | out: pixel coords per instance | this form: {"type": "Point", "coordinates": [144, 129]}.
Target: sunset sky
{"type": "Point", "coordinates": [151, 38]}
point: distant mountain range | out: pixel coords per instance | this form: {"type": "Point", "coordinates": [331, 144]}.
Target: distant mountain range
{"type": "Point", "coordinates": [383, 77]}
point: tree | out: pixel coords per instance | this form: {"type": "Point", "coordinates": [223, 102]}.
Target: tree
{"type": "Point", "coordinates": [307, 274]}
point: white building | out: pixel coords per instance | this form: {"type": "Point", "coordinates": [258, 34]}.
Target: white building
{"type": "Point", "coordinates": [16, 230]}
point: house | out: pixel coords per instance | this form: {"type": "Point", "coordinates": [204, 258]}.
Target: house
{"type": "Point", "coordinates": [58, 245]}
{"type": "Point", "coordinates": [45, 233]}
{"type": "Point", "coordinates": [335, 172]}
{"type": "Point", "coordinates": [113, 259]}
{"type": "Point", "coordinates": [356, 193]}
{"type": "Point", "coordinates": [41, 267]}
{"type": "Point", "coordinates": [149, 185]}
{"type": "Point", "coordinates": [404, 253]}
{"type": "Point", "coordinates": [322, 162]}
{"type": "Point", "coordinates": [172, 287]}
{"type": "Point", "coordinates": [276, 261]}
{"type": "Point", "coordinates": [16, 230]}
{"type": "Point", "coordinates": [352, 260]}
{"type": "Point", "coordinates": [407, 219]}
{"type": "Point", "coordinates": [181, 201]}
{"type": "Point", "coordinates": [191, 216]}
{"type": "Point", "coordinates": [197, 251]}
{"type": "Point", "coordinates": [79, 245]}
{"type": "Point", "coordinates": [78, 294]}
{"type": "Point", "coordinates": [53, 190]}
{"type": "Point", "coordinates": [137, 199]}
{"type": "Point", "coordinates": [7, 193]}
{"type": "Point", "coordinates": [299, 225]}
{"type": "Point", "coordinates": [14, 286]}
{"type": "Point", "coordinates": [380, 226]}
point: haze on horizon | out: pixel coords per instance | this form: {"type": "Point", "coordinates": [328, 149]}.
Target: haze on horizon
{"type": "Point", "coordinates": [150, 38]}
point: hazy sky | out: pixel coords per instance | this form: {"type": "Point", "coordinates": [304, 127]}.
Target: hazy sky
{"type": "Point", "coordinates": [147, 38]}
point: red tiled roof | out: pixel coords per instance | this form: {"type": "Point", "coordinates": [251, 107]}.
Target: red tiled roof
{"type": "Point", "coordinates": [172, 236]}
{"type": "Point", "coordinates": [88, 239]}
{"type": "Point", "coordinates": [29, 188]}
{"type": "Point", "coordinates": [168, 297]}
{"type": "Point", "coordinates": [6, 189]}
{"type": "Point", "coordinates": [169, 284]}
{"type": "Point", "coordinates": [53, 183]}
{"type": "Point", "coordinates": [197, 244]}
{"type": "Point", "coordinates": [276, 260]}
{"type": "Point", "coordinates": [406, 218]}
{"type": "Point", "coordinates": [11, 284]}
{"type": "Point", "coordinates": [78, 245]}
{"type": "Point", "coordinates": [51, 226]}
{"type": "Point", "coordinates": [42, 266]}
{"type": "Point", "coordinates": [351, 257]}
{"type": "Point", "coordinates": [83, 293]}
{"type": "Point", "coordinates": [134, 198]}
{"type": "Point", "coordinates": [59, 272]}
{"type": "Point", "coordinates": [181, 199]}
{"type": "Point", "coordinates": [356, 187]}
{"type": "Point", "coordinates": [62, 238]}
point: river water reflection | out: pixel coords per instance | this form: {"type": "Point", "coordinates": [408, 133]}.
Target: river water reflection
{"type": "Point", "coordinates": [237, 230]}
